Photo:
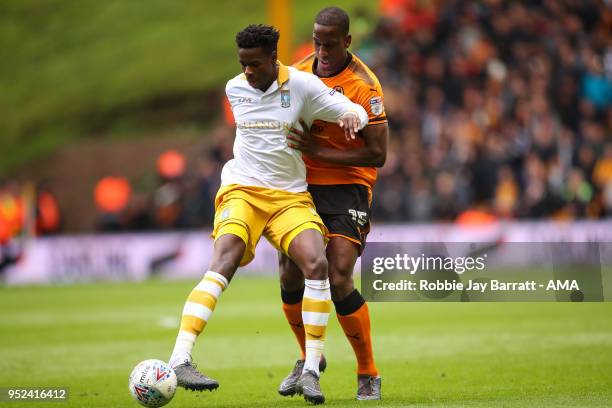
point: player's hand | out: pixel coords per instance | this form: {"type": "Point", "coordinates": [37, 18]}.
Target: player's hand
{"type": "Point", "coordinates": [301, 139]}
{"type": "Point", "coordinates": [350, 123]}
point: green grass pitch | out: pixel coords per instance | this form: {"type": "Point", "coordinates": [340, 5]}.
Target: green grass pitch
{"type": "Point", "coordinates": [89, 337]}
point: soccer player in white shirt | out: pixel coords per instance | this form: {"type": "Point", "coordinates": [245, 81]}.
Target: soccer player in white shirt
{"type": "Point", "coordinates": [264, 192]}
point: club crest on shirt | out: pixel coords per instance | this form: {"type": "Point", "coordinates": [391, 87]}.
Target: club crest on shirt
{"type": "Point", "coordinates": [225, 214]}
{"type": "Point", "coordinates": [376, 105]}
{"type": "Point", "coordinates": [285, 98]}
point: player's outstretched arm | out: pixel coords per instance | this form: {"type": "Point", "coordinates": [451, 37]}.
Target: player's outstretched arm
{"type": "Point", "coordinates": [329, 105]}
{"type": "Point", "coordinates": [372, 154]}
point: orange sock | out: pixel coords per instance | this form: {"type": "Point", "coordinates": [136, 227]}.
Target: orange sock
{"type": "Point", "coordinates": [293, 313]}
{"type": "Point", "coordinates": [356, 327]}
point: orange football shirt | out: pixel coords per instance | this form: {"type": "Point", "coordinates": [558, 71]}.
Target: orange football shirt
{"type": "Point", "coordinates": [361, 86]}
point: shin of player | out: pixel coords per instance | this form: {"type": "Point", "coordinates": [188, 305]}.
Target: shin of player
{"type": "Point", "coordinates": [228, 252]}
{"type": "Point", "coordinates": [317, 297]}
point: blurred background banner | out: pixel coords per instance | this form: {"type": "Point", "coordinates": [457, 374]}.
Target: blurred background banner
{"type": "Point", "coordinates": [173, 255]}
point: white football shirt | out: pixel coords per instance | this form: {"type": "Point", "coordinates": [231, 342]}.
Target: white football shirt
{"type": "Point", "coordinates": [262, 157]}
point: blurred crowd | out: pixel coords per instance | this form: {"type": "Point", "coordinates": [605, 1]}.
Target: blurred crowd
{"type": "Point", "coordinates": [497, 108]}
{"type": "Point", "coordinates": [25, 210]}
{"type": "Point", "coordinates": [183, 196]}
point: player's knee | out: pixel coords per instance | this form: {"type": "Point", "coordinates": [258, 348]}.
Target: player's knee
{"type": "Point", "coordinates": [336, 280]}
{"type": "Point", "coordinates": [340, 284]}
{"type": "Point", "coordinates": [315, 267]}
{"type": "Point", "coordinates": [341, 266]}
{"type": "Point", "coordinates": [340, 278]}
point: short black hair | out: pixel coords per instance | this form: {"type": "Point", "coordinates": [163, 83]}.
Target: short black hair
{"type": "Point", "coordinates": [258, 35]}
{"type": "Point", "coordinates": [334, 16]}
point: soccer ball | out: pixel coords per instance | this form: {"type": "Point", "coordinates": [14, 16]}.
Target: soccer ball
{"type": "Point", "coordinates": [152, 383]}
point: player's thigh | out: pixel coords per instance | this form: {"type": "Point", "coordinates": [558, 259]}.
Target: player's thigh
{"type": "Point", "coordinates": [298, 214]}
{"type": "Point", "coordinates": [342, 255]}
{"type": "Point", "coordinates": [234, 215]}
{"type": "Point", "coordinates": [299, 226]}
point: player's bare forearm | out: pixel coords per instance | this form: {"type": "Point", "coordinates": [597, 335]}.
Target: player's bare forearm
{"type": "Point", "coordinates": [372, 154]}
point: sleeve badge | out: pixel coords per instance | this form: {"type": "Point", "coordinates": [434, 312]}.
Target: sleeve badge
{"type": "Point", "coordinates": [376, 105]}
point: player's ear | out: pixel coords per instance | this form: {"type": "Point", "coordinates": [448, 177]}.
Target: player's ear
{"type": "Point", "coordinates": [347, 40]}
{"type": "Point", "coordinates": [274, 57]}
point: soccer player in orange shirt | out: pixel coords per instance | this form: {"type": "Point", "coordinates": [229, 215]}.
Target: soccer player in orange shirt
{"type": "Point", "coordinates": [340, 173]}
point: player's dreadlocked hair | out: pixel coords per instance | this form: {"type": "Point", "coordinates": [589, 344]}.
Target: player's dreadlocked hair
{"type": "Point", "coordinates": [334, 16]}
{"type": "Point", "coordinates": [258, 35]}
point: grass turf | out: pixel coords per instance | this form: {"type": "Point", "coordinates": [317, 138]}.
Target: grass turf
{"type": "Point", "coordinates": [89, 337]}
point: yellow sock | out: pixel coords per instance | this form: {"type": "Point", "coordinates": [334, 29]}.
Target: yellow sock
{"type": "Point", "coordinates": [198, 309]}
{"type": "Point", "coordinates": [315, 313]}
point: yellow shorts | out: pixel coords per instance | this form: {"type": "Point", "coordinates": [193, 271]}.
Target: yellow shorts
{"type": "Point", "coordinates": [250, 212]}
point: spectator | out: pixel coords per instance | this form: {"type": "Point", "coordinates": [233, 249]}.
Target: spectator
{"type": "Point", "coordinates": [11, 224]}
{"type": "Point", "coordinates": [48, 216]}
{"type": "Point", "coordinates": [171, 165]}
{"type": "Point", "coordinates": [169, 197]}
{"type": "Point", "coordinates": [112, 195]}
